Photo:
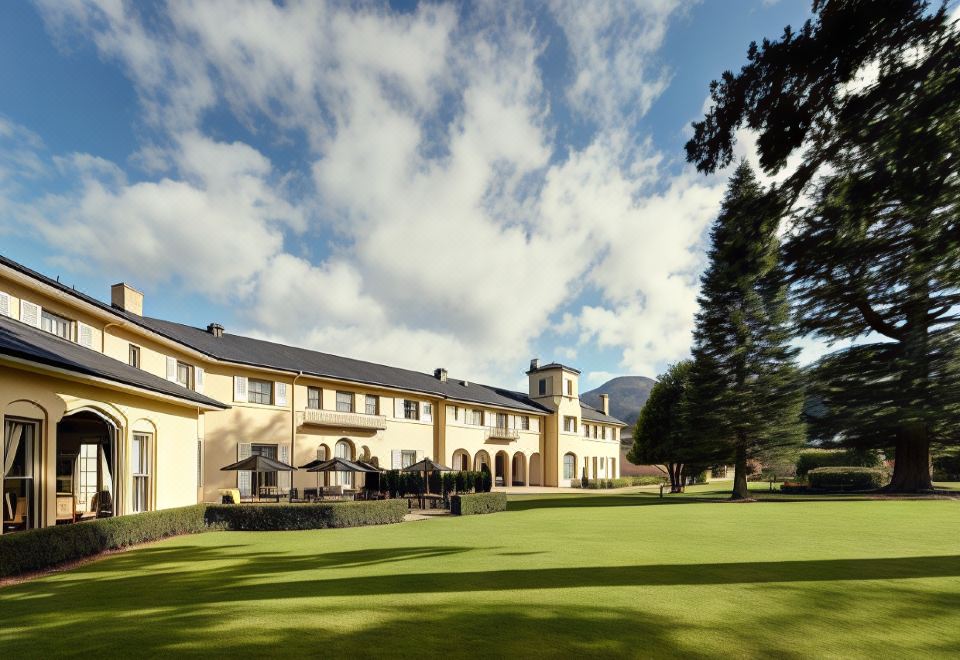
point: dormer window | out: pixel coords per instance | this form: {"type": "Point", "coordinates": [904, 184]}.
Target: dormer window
{"type": "Point", "coordinates": [55, 325]}
{"type": "Point", "coordinates": [543, 386]}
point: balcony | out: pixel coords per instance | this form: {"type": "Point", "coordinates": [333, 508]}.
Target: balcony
{"type": "Point", "coordinates": [502, 433]}
{"type": "Point", "coordinates": [344, 420]}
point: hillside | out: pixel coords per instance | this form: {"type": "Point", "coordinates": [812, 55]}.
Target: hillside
{"type": "Point", "coordinates": [627, 396]}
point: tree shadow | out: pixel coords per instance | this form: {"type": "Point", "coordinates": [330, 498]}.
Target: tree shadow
{"type": "Point", "coordinates": [576, 500]}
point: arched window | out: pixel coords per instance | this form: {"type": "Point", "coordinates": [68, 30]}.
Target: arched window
{"type": "Point", "coordinates": [569, 466]}
{"type": "Point", "coordinates": [343, 449]}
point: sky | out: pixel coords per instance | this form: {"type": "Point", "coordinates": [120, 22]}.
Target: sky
{"type": "Point", "coordinates": [424, 185]}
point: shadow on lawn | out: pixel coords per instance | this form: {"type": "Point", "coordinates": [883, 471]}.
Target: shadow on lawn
{"type": "Point", "coordinates": [576, 500]}
{"type": "Point", "coordinates": [156, 599]}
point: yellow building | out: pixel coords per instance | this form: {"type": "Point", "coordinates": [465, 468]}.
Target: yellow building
{"type": "Point", "coordinates": [106, 411]}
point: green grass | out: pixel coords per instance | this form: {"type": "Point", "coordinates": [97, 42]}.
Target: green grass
{"type": "Point", "coordinates": [566, 575]}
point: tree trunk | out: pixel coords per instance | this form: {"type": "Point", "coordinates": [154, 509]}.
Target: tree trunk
{"type": "Point", "coordinates": [911, 466]}
{"type": "Point", "coordinates": [676, 478]}
{"type": "Point", "coordinates": [740, 491]}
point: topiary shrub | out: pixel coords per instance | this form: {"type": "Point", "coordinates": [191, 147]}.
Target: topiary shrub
{"type": "Point", "coordinates": [846, 478]}
{"type": "Point", "coordinates": [467, 505]}
{"type": "Point", "coordinates": [811, 459]}
{"type": "Point", "coordinates": [36, 549]}
{"type": "Point", "coordinates": [319, 515]}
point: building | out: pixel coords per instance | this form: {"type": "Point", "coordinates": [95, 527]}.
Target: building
{"type": "Point", "coordinates": [106, 411]}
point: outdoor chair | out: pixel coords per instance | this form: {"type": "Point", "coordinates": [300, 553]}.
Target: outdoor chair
{"type": "Point", "coordinates": [17, 509]}
{"type": "Point", "coordinates": [311, 494]}
{"type": "Point", "coordinates": [102, 504]}
{"type": "Point", "coordinates": [293, 495]}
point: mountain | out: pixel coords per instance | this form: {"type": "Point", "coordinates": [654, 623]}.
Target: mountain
{"type": "Point", "coordinates": [627, 396]}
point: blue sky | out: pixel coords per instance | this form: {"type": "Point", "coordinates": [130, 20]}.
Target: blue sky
{"type": "Point", "coordinates": [418, 184]}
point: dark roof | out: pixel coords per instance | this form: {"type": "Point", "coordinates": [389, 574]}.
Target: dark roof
{"type": "Point", "coordinates": [553, 365]}
{"type": "Point", "coordinates": [257, 352]}
{"type": "Point", "coordinates": [591, 414]}
{"type": "Point", "coordinates": [28, 343]}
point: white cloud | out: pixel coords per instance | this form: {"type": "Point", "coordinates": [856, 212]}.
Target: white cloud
{"type": "Point", "coordinates": [452, 231]}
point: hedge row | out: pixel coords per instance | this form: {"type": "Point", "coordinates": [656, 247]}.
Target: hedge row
{"type": "Point", "coordinates": [37, 549]}
{"type": "Point", "coordinates": [320, 515]}
{"type": "Point", "coordinates": [811, 459]}
{"type": "Point", "coordinates": [41, 548]}
{"type": "Point", "coordinates": [847, 478]}
{"type": "Point", "coordinates": [397, 483]}
{"type": "Point", "coordinates": [621, 482]}
{"type": "Point", "coordinates": [468, 505]}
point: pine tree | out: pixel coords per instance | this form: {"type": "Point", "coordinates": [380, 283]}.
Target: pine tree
{"type": "Point", "coordinates": [745, 396]}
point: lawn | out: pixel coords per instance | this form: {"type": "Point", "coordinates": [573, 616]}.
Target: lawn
{"type": "Point", "coordinates": [566, 575]}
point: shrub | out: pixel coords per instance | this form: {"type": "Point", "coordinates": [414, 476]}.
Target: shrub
{"type": "Point", "coordinates": [811, 459]}
{"type": "Point", "coordinates": [647, 481]}
{"type": "Point", "coordinates": [467, 505]}
{"type": "Point", "coordinates": [946, 468]}
{"type": "Point", "coordinates": [484, 482]}
{"type": "Point", "coordinates": [41, 548]}
{"type": "Point", "coordinates": [256, 517]}
{"type": "Point", "coordinates": [846, 478]}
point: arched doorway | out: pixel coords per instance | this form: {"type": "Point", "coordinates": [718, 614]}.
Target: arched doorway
{"type": "Point", "coordinates": [501, 475]}
{"type": "Point", "coordinates": [519, 470]}
{"type": "Point", "coordinates": [344, 449]}
{"type": "Point", "coordinates": [461, 460]}
{"type": "Point", "coordinates": [535, 471]}
{"type": "Point", "coordinates": [88, 466]}
{"type": "Point", "coordinates": [482, 458]}
{"type": "Point", "coordinates": [569, 467]}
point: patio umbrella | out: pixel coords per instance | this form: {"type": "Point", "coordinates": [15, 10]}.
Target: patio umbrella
{"type": "Point", "coordinates": [426, 465]}
{"type": "Point", "coordinates": [258, 463]}
{"type": "Point", "coordinates": [337, 465]}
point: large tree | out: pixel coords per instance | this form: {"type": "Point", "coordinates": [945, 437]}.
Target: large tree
{"type": "Point", "coordinates": [659, 437]}
{"type": "Point", "coordinates": [745, 396]}
{"type": "Point", "coordinates": [877, 250]}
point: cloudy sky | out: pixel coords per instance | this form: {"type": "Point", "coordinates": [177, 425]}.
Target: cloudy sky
{"type": "Point", "coordinates": [420, 184]}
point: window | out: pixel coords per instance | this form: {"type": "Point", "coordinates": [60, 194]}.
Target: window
{"type": "Point", "coordinates": [456, 413]}
{"type": "Point", "coordinates": [569, 387]}
{"type": "Point", "coordinates": [20, 458]}
{"type": "Point", "coordinates": [55, 325]}
{"type": "Point", "coordinates": [411, 409]}
{"type": "Point", "coordinates": [476, 417]}
{"type": "Point", "coordinates": [543, 386]}
{"type": "Point", "coordinates": [586, 430]}
{"type": "Point", "coordinates": [140, 460]}
{"type": "Point", "coordinates": [603, 432]}
{"type": "Point", "coordinates": [569, 466]}
{"type": "Point", "coordinates": [184, 374]}
{"type": "Point", "coordinates": [407, 458]}
{"type": "Point", "coordinates": [133, 358]}
{"type": "Point", "coordinates": [594, 431]}
{"type": "Point", "coordinates": [371, 404]}
{"type": "Point", "coordinates": [343, 449]}
{"type": "Point", "coordinates": [570, 424]}
{"type": "Point", "coordinates": [602, 460]}
{"type": "Point", "coordinates": [344, 401]}
{"type": "Point", "coordinates": [260, 391]}
{"type": "Point", "coordinates": [313, 398]}
{"type": "Point", "coordinates": [525, 423]}
{"type": "Point", "coordinates": [501, 421]}
{"type": "Point", "coordinates": [263, 479]}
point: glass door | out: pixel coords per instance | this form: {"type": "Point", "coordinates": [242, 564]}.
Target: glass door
{"type": "Point", "coordinates": [20, 457]}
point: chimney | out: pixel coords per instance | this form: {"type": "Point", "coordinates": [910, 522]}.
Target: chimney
{"type": "Point", "coordinates": [125, 297]}
{"type": "Point", "coordinates": [215, 329]}
{"type": "Point", "coordinates": [440, 374]}
{"type": "Point", "coordinates": [534, 364]}
{"type": "Point", "coordinates": [605, 403]}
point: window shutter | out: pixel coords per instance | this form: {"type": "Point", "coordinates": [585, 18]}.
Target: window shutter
{"type": "Point", "coordinates": [283, 478]}
{"type": "Point", "coordinates": [243, 476]}
{"type": "Point", "coordinates": [240, 388]}
{"type": "Point", "coordinates": [396, 459]}
{"type": "Point", "coordinates": [427, 415]}
{"type": "Point", "coordinates": [281, 392]}
{"type": "Point", "coordinates": [198, 375]}
{"type": "Point", "coordinates": [172, 369]}
{"type": "Point", "coordinates": [30, 313]}
{"type": "Point", "coordinates": [398, 408]}
{"type": "Point", "coordinates": [4, 304]}
{"type": "Point", "coordinates": [84, 335]}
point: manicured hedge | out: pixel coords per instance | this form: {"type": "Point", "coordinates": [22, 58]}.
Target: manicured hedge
{"type": "Point", "coordinates": [621, 482]}
{"type": "Point", "coordinates": [41, 548]}
{"type": "Point", "coordinates": [811, 459]}
{"type": "Point", "coordinates": [468, 505]}
{"type": "Point", "coordinates": [846, 478]}
{"type": "Point", "coordinates": [272, 517]}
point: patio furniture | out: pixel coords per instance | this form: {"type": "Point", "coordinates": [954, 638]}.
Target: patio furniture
{"type": "Point", "coordinates": [311, 494]}
{"type": "Point", "coordinates": [293, 495]}
{"type": "Point", "coordinates": [337, 465]}
{"type": "Point", "coordinates": [268, 493]}
{"type": "Point", "coordinates": [258, 463]}
{"type": "Point", "coordinates": [427, 466]}
{"type": "Point", "coordinates": [66, 508]}
{"type": "Point", "coordinates": [102, 504]}
{"type": "Point", "coordinates": [231, 494]}
{"type": "Point", "coordinates": [17, 509]}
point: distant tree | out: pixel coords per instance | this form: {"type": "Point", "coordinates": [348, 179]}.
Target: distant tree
{"type": "Point", "coordinates": [745, 396]}
{"type": "Point", "coordinates": [878, 248]}
{"type": "Point", "coordinates": [659, 437]}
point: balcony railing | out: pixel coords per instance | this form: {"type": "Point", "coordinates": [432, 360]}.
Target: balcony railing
{"type": "Point", "coordinates": [346, 420]}
{"type": "Point", "coordinates": [502, 433]}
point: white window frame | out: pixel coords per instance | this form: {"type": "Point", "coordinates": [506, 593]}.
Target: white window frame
{"type": "Point", "coordinates": [142, 473]}
{"type": "Point", "coordinates": [345, 401]}
{"type": "Point", "coordinates": [54, 320]}
{"type": "Point", "coordinates": [251, 392]}
{"type": "Point", "coordinates": [367, 400]}
{"type": "Point", "coordinates": [319, 398]}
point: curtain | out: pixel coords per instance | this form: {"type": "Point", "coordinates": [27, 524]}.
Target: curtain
{"type": "Point", "coordinates": [11, 443]}
{"type": "Point", "coordinates": [107, 484]}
